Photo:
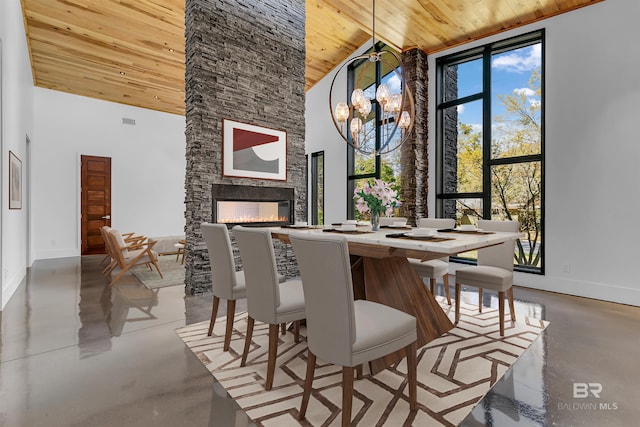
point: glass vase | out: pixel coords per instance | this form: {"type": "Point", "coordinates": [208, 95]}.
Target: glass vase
{"type": "Point", "coordinates": [375, 221]}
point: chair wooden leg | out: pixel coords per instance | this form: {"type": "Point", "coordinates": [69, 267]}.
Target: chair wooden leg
{"type": "Point", "coordinates": [413, 376]}
{"type": "Point", "coordinates": [359, 371]}
{"type": "Point", "coordinates": [184, 252]}
{"type": "Point", "coordinates": [447, 292]}
{"type": "Point", "coordinates": [119, 275]}
{"type": "Point", "coordinates": [214, 313]}
{"type": "Point", "coordinates": [231, 312]}
{"type": "Point", "coordinates": [247, 340]}
{"type": "Point", "coordinates": [347, 395]}
{"type": "Point", "coordinates": [479, 300]}
{"type": "Point", "coordinates": [432, 286]}
{"type": "Point", "coordinates": [155, 263]}
{"type": "Point", "coordinates": [283, 328]}
{"type": "Point", "coordinates": [273, 352]}
{"type": "Point", "coordinates": [457, 302]}
{"type": "Point", "coordinates": [511, 305]}
{"type": "Point", "coordinates": [501, 312]}
{"type": "Point", "coordinates": [308, 383]}
{"type": "Point", "coordinates": [296, 331]}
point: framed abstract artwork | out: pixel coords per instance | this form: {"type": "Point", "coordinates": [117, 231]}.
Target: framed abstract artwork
{"type": "Point", "coordinates": [15, 182]}
{"type": "Point", "coordinates": [250, 151]}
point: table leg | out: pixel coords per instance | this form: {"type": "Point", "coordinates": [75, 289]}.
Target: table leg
{"type": "Point", "coordinates": [393, 281]}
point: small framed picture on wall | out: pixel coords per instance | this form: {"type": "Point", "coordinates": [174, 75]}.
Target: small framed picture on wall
{"type": "Point", "coordinates": [15, 182]}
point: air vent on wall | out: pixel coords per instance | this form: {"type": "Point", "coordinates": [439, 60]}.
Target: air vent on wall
{"type": "Point", "coordinates": [126, 121]}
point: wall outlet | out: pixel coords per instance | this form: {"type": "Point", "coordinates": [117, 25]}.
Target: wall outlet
{"type": "Point", "coordinates": [566, 268]}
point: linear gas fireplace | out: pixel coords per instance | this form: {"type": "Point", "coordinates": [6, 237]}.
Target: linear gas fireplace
{"type": "Point", "coordinates": [247, 205]}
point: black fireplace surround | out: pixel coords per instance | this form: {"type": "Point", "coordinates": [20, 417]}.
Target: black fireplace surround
{"type": "Point", "coordinates": [277, 199]}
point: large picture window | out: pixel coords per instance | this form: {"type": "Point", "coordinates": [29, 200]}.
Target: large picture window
{"type": "Point", "coordinates": [490, 132]}
{"type": "Point", "coordinates": [363, 167]}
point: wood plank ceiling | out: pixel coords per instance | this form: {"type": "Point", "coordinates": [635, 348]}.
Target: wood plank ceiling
{"type": "Point", "coordinates": [132, 51]}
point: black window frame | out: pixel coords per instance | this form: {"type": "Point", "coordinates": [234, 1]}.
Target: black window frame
{"type": "Point", "coordinates": [485, 52]}
{"type": "Point", "coordinates": [315, 185]}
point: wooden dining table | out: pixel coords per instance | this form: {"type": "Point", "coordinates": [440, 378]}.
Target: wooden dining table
{"type": "Point", "coordinates": [382, 273]}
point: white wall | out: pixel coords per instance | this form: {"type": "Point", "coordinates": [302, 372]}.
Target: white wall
{"type": "Point", "coordinates": [147, 168]}
{"type": "Point", "coordinates": [591, 149]}
{"type": "Point", "coordinates": [321, 135]}
{"type": "Point", "coordinates": [17, 123]}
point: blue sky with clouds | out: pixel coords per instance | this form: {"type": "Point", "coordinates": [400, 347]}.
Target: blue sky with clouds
{"type": "Point", "coordinates": [510, 73]}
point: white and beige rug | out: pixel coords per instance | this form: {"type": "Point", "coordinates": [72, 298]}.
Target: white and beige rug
{"type": "Point", "coordinates": [172, 272]}
{"type": "Point", "coordinates": [454, 372]}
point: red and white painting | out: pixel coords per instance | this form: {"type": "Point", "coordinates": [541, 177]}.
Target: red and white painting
{"type": "Point", "coordinates": [251, 151]}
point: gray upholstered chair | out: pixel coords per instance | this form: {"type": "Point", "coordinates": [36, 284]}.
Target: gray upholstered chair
{"type": "Point", "coordinates": [268, 300]}
{"type": "Point", "coordinates": [343, 331]}
{"type": "Point", "coordinates": [228, 283]}
{"type": "Point", "coordinates": [390, 220]}
{"type": "Point", "coordinates": [435, 268]}
{"type": "Point", "coordinates": [494, 270]}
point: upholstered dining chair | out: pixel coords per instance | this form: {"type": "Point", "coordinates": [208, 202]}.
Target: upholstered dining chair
{"type": "Point", "coordinates": [268, 300]}
{"type": "Point", "coordinates": [227, 283]}
{"type": "Point", "coordinates": [435, 268]}
{"type": "Point", "coordinates": [390, 220]}
{"type": "Point", "coordinates": [343, 331]}
{"type": "Point", "coordinates": [494, 270]}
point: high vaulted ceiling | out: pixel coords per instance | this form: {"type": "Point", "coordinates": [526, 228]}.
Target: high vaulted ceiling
{"type": "Point", "coordinates": [132, 51]}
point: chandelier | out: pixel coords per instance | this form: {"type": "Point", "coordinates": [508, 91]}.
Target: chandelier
{"type": "Point", "coordinates": [392, 109]}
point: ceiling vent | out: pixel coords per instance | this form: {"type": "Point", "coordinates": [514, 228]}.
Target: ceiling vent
{"type": "Point", "coordinates": [126, 121]}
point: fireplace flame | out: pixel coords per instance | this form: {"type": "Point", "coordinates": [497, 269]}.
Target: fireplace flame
{"type": "Point", "coordinates": [248, 219]}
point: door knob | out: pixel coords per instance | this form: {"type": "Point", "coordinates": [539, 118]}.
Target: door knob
{"type": "Point", "coordinates": [106, 217]}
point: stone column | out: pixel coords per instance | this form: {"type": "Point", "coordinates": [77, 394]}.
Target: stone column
{"type": "Point", "coordinates": [245, 61]}
{"type": "Point", "coordinates": [414, 157]}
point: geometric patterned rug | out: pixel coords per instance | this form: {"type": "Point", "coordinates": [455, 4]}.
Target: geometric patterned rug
{"type": "Point", "coordinates": [454, 372]}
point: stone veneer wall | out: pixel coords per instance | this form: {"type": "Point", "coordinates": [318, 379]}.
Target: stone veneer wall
{"type": "Point", "coordinates": [450, 144]}
{"type": "Point", "coordinates": [414, 158]}
{"type": "Point", "coordinates": [244, 61]}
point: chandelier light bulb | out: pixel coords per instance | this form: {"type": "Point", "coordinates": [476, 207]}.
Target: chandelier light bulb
{"type": "Point", "coordinates": [383, 94]}
{"type": "Point", "coordinates": [358, 98]}
{"type": "Point", "coordinates": [395, 103]}
{"type": "Point", "coordinates": [365, 108]}
{"type": "Point", "coordinates": [356, 126]}
{"type": "Point", "coordinates": [405, 120]}
{"type": "Point", "coordinates": [342, 112]}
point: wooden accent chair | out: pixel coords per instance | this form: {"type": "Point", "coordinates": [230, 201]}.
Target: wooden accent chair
{"type": "Point", "coordinates": [131, 239]}
{"type": "Point", "coordinates": [268, 300]}
{"type": "Point", "coordinates": [435, 268]}
{"type": "Point", "coordinates": [126, 256]}
{"type": "Point", "coordinates": [343, 331]}
{"type": "Point", "coordinates": [494, 270]}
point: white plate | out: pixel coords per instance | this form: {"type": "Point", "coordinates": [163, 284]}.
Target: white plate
{"type": "Point", "coordinates": [298, 226]}
{"type": "Point", "coordinates": [398, 226]}
{"type": "Point", "coordinates": [463, 229]}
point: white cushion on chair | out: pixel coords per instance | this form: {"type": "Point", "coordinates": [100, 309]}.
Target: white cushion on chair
{"type": "Point", "coordinates": [380, 330]}
{"type": "Point", "coordinates": [433, 268]}
{"type": "Point", "coordinates": [484, 276]}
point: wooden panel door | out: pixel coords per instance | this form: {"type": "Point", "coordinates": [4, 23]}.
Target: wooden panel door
{"type": "Point", "coordinates": [96, 202]}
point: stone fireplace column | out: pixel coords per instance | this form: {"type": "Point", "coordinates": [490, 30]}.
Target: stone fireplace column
{"type": "Point", "coordinates": [245, 61]}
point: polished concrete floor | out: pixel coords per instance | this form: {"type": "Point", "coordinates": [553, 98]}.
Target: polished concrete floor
{"type": "Point", "coordinates": [76, 353]}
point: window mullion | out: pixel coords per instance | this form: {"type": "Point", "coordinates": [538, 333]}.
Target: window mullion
{"type": "Point", "coordinates": [486, 133]}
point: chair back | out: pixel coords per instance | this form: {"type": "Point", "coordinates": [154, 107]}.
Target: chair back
{"type": "Point", "coordinates": [223, 268]}
{"type": "Point", "coordinates": [260, 272]}
{"type": "Point", "coordinates": [118, 244]}
{"type": "Point", "coordinates": [440, 223]}
{"type": "Point", "coordinates": [499, 255]}
{"type": "Point", "coordinates": [328, 293]}
{"type": "Point", "coordinates": [390, 220]}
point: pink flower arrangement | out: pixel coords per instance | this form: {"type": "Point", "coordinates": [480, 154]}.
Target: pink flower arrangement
{"type": "Point", "coordinates": [376, 197]}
